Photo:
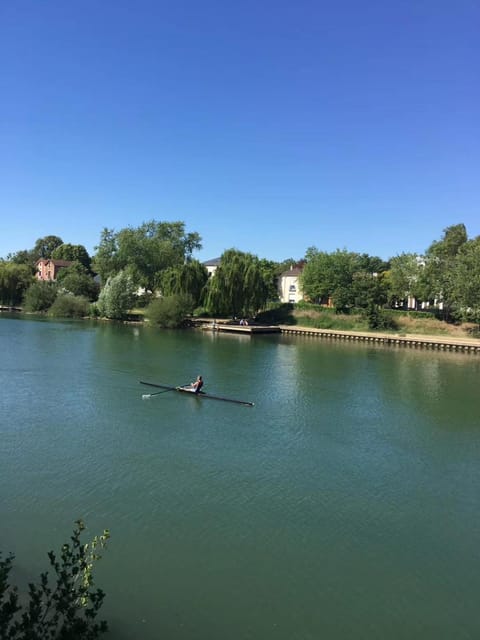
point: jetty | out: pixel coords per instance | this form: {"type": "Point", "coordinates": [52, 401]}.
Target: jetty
{"type": "Point", "coordinates": [249, 329]}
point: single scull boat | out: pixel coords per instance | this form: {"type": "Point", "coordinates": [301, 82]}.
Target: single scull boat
{"type": "Point", "coordinates": [201, 394]}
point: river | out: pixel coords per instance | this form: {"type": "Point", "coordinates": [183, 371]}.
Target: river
{"type": "Point", "coordinates": [343, 505]}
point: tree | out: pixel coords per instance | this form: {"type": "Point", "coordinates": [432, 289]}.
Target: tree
{"type": "Point", "coordinates": [189, 278]}
{"type": "Point", "coordinates": [44, 247]}
{"type": "Point", "coordinates": [73, 253]}
{"type": "Point", "coordinates": [14, 281]}
{"type": "Point", "coordinates": [105, 262]}
{"type": "Point", "coordinates": [117, 297]}
{"type": "Point", "coordinates": [24, 256]}
{"type": "Point", "coordinates": [466, 281]}
{"type": "Point", "coordinates": [170, 311]}
{"type": "Point", "coordinates": [330, 275]}
{"type": "Point", "coordinates": [40, 296]}
{"type": "Point", "coordinates": [436, 282]}
{"type": "Point", "coordinates": [145, 252]}
{"type": "Point", "coordinates": [238, 287]}
{"type": "Point", "coordinates": [77, 280]}
{"type": "Point", "coordinates": [271, 272]}
{"type": "Point", "coordinates": [369, 289]}
{"type": "Point", "coordinates": [66, 608]}
{"type": "Point", "coordinates": [404, 277]}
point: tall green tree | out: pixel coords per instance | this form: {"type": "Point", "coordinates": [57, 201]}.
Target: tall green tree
{"type": "Point", "coordinates": [14, 281]}
{"type": "Point", "coordinates": [238, 286]}
{"type": "Point", "coordinates": [369, 289]}
{"type": "Point", "coordinates": [271, 272]}
{"type": "Point", "coordinates": [105, 262]}
{"type": "Point", "coordinates": [44, 247]}
{"type": "Point", "coordinates": [330, 275]}
{"type": "Point", "coordinates": [404, 278]}
{"type": "Point", "coordinates": [347, 278]}
{"type": "Point", "coordinates": [436, 282]}
{"type": "Point", "coordinates": [145, 251]}
{"type": "Point", "coordinates": [73, 253]}
{"type": "Point", "coordinates": [24, 256]}
{"type": "Point", "coordinates": [466, 281]}
{"type": "Point", "coordinates": [117, 296]}
{"type": "Point", "coordinates": [189, 278]}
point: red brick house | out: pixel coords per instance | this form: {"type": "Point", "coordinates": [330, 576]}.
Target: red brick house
{"type": "Point", "coordinates": [47, 269]}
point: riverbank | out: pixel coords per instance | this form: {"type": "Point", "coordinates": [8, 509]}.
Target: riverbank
{"type": "Point", "coordinates": [441, 343]}
{"type": "Point", "coordinates": [455, 340]}
{"type": "Point", "coordinates": [403, 339]}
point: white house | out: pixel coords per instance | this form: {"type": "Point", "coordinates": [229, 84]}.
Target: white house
{"type": "Point", "coordinates": [211, 266]}
{"type": "Point", "coordinates": [289, 288]}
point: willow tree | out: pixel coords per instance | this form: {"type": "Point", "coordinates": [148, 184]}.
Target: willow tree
{"type": "Point", "coordinates": [188, 279]}
{"type": "Point", "coordinates": [238, 286]}
{"type": "Point", "coordinates": [14, 281]}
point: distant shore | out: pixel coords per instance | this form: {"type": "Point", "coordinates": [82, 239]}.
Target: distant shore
{"type": "Point", "coordinates": [446, 342]}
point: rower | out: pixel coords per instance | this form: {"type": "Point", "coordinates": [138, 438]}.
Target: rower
{"type": "Point", "coordinates": [197, 385]}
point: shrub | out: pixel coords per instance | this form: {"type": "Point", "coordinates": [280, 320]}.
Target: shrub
{"type": "Point", "coordinates": [77, 280]}
{"type": "Point", "coordinates": [40, 296]}
{"type": "Point", "coordinates": [65, 607]}
{"type": "Point", "coordinates": [281, 313]}
{"type": "Point", "coordinates": [69, 306]}
{"type": "Point", "coordinates": [117, 297]}
{"type": "Point", "coordinates": [379, 319]}
{"type": "Point", "coordinates": [170, 312]}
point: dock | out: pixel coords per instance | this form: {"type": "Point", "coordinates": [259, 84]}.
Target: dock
{"type": "Point", "coordinates": [248, 329]}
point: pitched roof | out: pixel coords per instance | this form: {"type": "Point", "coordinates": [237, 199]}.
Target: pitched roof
{"type": "Point", "coordinates": [57, 263]}
{"type": "Point", "coordinates": [293, 272]}
{"type": "Point", "coordinates": [214, 262]}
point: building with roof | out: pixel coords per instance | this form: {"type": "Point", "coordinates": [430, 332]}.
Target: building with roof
{"type": "Point", "coordinates": [47, 269]}
{"type": "Point", "coordinates": [289, 286]}
{"type": "Point", "coordinates": [212, 265]}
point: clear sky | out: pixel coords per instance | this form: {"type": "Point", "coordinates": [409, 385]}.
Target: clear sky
{"type": "Point", "coordinates": [268, 126]}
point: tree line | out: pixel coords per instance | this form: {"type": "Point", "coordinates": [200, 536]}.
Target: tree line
{"type": "Point", "coordinates": [446, 278]}
{"type": "Point", "coordinates": [152, 266]}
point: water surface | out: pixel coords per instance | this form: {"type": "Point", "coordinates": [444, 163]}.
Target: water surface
{"type": "Point", "coordinates": [343, 505]}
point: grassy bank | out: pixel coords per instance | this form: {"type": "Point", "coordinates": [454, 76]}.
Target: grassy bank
{"type": "Point", "coordinates": [400, 322]}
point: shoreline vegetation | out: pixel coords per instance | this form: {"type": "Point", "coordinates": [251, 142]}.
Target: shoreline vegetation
{"type": "Point", "coordinates": [149, 274]}
{"type": "Point", "coordinates": [415, 326]}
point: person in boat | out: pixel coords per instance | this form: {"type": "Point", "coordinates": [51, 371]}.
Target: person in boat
{"type": "Point", "coordinates": [197, 385]}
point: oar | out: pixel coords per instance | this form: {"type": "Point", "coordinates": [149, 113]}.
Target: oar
{"type": "Point", "coordinates": [149, 395]}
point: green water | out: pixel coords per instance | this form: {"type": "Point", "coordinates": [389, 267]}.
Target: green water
{"type": "Point", "coordinates": [344, 505]}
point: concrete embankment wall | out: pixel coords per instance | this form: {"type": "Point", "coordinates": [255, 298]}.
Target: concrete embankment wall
{"type": "Point", "coordinates": [419, 342]}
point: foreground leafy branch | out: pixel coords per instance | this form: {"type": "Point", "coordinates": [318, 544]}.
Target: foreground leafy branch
{"type": "Point", "coordinates": [64, 608]}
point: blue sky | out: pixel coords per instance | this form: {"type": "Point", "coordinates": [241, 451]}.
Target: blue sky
{"type": "Point", "coordinates": [265, 126]}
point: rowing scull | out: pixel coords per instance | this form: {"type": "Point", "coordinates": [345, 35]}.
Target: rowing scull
{"type": "Point", "coordinates": [201, 394]}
